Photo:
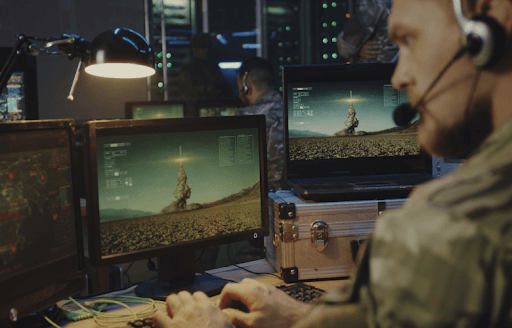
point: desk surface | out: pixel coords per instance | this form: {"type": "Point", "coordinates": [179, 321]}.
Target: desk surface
{"type": "Point", "coordinates": [232, 273]}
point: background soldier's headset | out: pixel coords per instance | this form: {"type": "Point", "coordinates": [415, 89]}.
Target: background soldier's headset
{"type": "Point", "coordinates": [254, 63]}
{"type": "Point", "coordinates": [245, 87]}
{"type": "Point", "coordinates": [484, 42]}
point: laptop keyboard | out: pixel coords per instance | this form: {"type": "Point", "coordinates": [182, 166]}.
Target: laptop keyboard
{"type": "Point", "coordinates": [369, 181]}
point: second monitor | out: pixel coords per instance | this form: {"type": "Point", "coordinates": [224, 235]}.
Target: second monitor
{"type": "Point", "coordinates": [221, 107]}
{"type": "Point", "coordinates": [163, 188]}
{"type": "Point", "coordinates": [154, 109]}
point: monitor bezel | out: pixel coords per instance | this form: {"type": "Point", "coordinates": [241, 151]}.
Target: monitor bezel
{"type": "Point", "coordinates": [91, 130]}
{"type": "Point", "coordinates": [128, 107]}
{"type": "Point", "coordinates": [27, 65]}
{"type": "Point", "coordinates": [292, 74]}
{"type": "Point", "coordinates": [54, 281]}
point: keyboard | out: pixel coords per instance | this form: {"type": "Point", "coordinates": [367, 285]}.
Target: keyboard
{"type": "Point", "coordinates": [302, 292]}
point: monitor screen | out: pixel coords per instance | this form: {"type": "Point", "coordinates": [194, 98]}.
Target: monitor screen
{"type": "Point", "coordinates": [163, 188]}
{"type": "Point", "coordinates": [40, 222]}
{"type": "Point", "coordinates": [154, 109]}
{"type": "Point", "coordinates": [228, 107]}
{"type": "Point", "coordinates": [339, 118]}
{"type": "Point", "coordinates": [18, 100]}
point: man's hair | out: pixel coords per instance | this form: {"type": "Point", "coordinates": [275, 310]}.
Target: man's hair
{"type": "Point", "coordinates": [259, 71]}
{"type": "Point", "coordinates": [471, 4]}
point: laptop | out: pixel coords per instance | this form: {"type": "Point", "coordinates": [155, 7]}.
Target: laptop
{"type": "Point", "coordinates": [340, 138]}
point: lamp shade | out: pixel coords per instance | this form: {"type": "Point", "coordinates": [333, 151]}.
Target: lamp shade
{"type": "Point", "coordinates": [120, 53]}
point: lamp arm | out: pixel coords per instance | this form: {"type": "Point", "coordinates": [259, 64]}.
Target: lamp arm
{"type": "Point", "coordinates": [74, 46]}
{"type": "Point", "coordinates": [73, 85]}
{"type": "Point", "coordinates": [70, 45]}
{"type": "Point", "coordinates": [8, 67]}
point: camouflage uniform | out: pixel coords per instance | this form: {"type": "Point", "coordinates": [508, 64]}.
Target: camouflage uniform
{"type": "Point", "coordinates": [367, 24]}
{"type": "Point", "coordinates": [445, 258]}
{"type": "Point", "coordinates": [270, 103]}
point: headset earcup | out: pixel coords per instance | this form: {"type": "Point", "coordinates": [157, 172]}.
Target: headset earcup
{"type": "Point", "coordinates": [244, 84]}
{"type": "Point", "coordinates": [496, 44]}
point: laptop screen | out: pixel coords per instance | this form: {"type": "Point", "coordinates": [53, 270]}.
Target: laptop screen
{"type": "Point", "coordinates": [339, 122]}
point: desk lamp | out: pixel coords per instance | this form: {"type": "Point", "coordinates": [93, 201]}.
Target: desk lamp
{"type": "Point", "coordinates": [116, 53]}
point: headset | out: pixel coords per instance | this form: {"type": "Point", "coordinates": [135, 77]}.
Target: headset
{"type": "Point", "coordinates": [245, 87]}
{"type": "Point", "coordinates": [484, 43]}
{"type": "Point", "coordinates": [485, 39]}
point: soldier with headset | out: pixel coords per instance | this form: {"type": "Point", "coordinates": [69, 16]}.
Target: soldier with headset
{"type": "Point", "coordinates": [259, 95]}
{"type": "Point", "coordinates": [445, 258]}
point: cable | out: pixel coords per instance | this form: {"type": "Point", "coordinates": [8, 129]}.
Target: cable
{"type": "Point", "coordinates": [202, 252]}
{"type": "Point", "coordinates": [250, 253]}
{"type": "Point", "coordinates": [211, 275]}
{"type": "Point", "coordinates": [50, 321]}
{"type": "Point", "coordinates": [151, 265]}
{"type": "Point", "coordinates": [89, 309]}
{"type": "Point", "coordinates": [125, 272]}
{"type": "Point", "coordinates": [258, 273]}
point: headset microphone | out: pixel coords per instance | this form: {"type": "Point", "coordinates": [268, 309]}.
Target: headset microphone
{"type": "Point", "coordinates": [485, 41]}
{"type": "Point", "coordinates": [404, 113]}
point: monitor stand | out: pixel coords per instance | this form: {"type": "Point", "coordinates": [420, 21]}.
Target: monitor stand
{"type": "Point", "coordinates": [176, 272]}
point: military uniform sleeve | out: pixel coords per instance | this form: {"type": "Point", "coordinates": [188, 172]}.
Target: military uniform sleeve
{"type": "Point", "coordinates": [275, 146]}
{"type": "Point", "coordinates": [428, 268]}
{"type": "Point", "coordinates": [501, 315]}
{"type": "Point", "coordinates": [349, 46]}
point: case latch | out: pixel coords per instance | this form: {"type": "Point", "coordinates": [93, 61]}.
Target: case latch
{"type": "Point", "coordinates": [319, 235]}
{"type": "Point", "coordinates": [276, 240]}
{"type": "Point", "coordinates": [289, 232]}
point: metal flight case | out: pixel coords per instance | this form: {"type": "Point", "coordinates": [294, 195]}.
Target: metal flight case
{"type": "Point", "coordinates": [311, 240]}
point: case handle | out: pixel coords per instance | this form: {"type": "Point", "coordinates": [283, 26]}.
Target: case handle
{"type": "Point", "coordinates": [319, 235]}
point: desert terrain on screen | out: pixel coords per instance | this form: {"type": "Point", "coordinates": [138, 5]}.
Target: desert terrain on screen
{"type": "Point", "coordinates": [162, 189]}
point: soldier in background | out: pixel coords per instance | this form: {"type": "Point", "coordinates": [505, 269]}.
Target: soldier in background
{"type": "Point", "coordinates": [365, 35]}
{"type": "Point", "coordinates": [258, 93]}
{"type": "Point", "coordinates": [201, 79]}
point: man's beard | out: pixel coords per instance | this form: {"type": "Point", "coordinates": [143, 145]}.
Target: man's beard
{"type": "Point", "coordinates": [464, 138]}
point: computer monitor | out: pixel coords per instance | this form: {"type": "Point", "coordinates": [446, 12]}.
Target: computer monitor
{"type": "Point", "coordinates": [18, 100]}
{"type": "Point", "coordinates": [339, 119]}
{"type": "Point", "coordinates": [41, 253]}
{"type": "Point", "coordinates": [164, 188]}
{"type": "Point", "coordinates": [154, 109]}
{"type": "Point", "coordinates": [221, 107]}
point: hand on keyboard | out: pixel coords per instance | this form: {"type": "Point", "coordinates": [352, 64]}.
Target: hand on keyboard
{"type": "Point", "coordinates": [191, 311]}
{"type": "Point", "coordinates": [266, 305]}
